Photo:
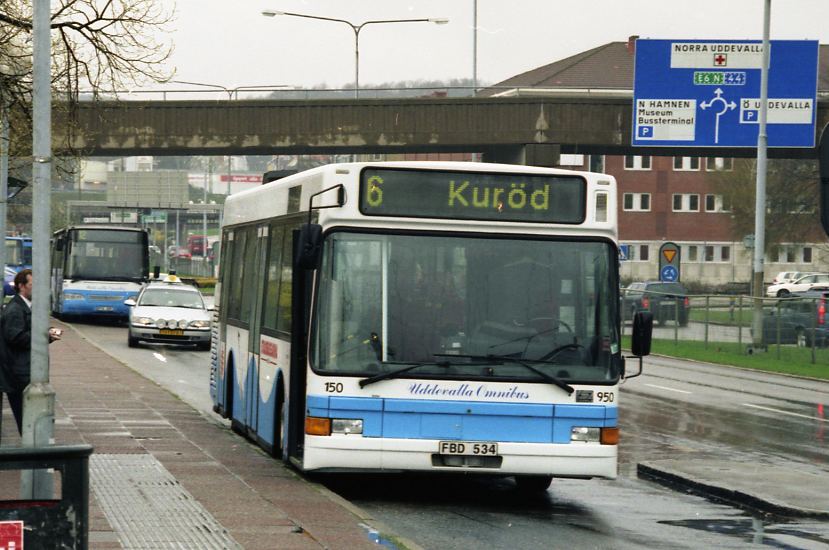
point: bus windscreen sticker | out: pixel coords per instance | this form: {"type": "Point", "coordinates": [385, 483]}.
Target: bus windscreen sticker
{"type": "Point", "coordinates": [473, 195]}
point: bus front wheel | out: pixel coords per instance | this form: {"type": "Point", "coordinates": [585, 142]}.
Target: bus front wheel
{"type": "Point", "coordinates": [533, 484]}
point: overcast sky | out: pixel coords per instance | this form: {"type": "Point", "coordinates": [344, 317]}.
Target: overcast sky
{"type": "Point", "coordinates": [229, 43]}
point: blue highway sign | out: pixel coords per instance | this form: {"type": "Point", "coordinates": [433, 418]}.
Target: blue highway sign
{"type": "Point", "coordinates": [706, 93]}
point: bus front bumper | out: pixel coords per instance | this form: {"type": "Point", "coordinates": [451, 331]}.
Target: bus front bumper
{"type": "Point", "coordinates": [353, 452]}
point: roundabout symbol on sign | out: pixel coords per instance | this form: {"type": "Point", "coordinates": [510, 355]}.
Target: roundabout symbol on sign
{"type": "Point", "coordinates": [668, 273]}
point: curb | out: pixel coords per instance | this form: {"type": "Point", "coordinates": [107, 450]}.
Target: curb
{"type": "Point", "coordinates": [717, 493]}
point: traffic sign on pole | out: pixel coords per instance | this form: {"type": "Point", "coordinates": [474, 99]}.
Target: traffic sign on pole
{"type": "Point", "coordinates": [669, 256]}
{"type": "Point", "coordinates": [706, 93]}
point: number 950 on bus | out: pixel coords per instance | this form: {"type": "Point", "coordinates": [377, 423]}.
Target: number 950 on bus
{"type": "Point", "coordinates": [468, 448]}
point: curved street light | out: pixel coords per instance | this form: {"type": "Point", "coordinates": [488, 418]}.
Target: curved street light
{"type": "Point", "coordinates": [357, 28]}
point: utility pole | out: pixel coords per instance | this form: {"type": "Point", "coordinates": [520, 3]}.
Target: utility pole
{"type": "Point", "coordinates": [39, 397]}
{"type": "Point", "coordinates": [760, 198]}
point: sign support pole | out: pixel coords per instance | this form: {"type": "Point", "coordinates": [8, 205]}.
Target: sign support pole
{"type": "Point", "coordinates": [760, 198]}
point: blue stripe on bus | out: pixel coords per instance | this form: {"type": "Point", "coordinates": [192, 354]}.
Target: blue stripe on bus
{"type": "Point", "coordinates": [463, 420]}
{"type": "Point", "coordinates": [88, 305]}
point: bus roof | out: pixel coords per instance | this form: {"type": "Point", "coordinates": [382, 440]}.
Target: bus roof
{"type": "Point", "coordinates": [292, 194]}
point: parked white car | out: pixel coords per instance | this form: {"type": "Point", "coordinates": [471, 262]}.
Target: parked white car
{"type": "Point", "coordinates": [788, 276]}
{"type": "Point", "coordinates": [801, 284]}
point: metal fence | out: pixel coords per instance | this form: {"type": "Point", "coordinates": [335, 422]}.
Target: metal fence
{"type": "Point", "coordinates": [794, 328]}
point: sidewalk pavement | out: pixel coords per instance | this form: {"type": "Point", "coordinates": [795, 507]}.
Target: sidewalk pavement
{"type": "Point", "coordinates": [162, 475]}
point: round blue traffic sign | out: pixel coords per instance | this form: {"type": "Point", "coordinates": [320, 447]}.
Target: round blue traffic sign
{"type": "Point", "coordinates": [668, 273]}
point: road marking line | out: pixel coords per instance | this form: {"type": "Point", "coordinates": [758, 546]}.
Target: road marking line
{"type": "Point", "coordinates": [785, 412]}
{"type": "Point", "coordinates": [669, 389]}
{"type": "Point", "coordinates": [159, 357]}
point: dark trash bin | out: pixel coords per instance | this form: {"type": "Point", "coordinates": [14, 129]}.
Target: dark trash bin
{"type": "Point", "coordinates": [55, 523]}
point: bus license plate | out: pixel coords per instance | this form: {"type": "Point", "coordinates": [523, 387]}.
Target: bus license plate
{"type": "Point", "coordinates": [468, 448]}
{"type": "Point", "coordinates": [171, 332]}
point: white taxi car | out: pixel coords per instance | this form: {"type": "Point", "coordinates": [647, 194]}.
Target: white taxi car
{"type": "Point", "coordinates": [169, 312]}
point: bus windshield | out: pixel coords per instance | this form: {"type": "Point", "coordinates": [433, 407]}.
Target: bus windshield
{"type": "Point", "coordinates": [107, 255]}
{"type": "Point", "coordinates": [387, 301]}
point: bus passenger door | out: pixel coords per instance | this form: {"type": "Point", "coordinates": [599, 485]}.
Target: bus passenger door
{"type": "Point", "coordinates": [258, 289]}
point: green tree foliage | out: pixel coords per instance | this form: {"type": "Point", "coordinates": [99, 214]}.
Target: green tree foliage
{"type": "Point", "coordinates": [792, 209]}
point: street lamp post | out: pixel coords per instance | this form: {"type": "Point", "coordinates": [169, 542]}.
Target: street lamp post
{"type": "Point", "coordinates": [357, 29]}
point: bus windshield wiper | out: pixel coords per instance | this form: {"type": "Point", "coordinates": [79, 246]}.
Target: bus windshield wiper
{"type": "Point", "coordinates": [393, 373]}
{"type": "Point", "coordinates": [500, 359]}
{"type": "Point", "coordinates": [412, 365]}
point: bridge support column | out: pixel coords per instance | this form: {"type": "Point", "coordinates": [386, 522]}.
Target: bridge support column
{"type": "Point", "coordinates": [531, 154]}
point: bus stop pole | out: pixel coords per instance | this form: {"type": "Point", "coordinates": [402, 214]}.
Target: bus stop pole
{"type": "Point", "coordinates": [760, 198]}
{"type": "Point", "coordinates": [38, 397]}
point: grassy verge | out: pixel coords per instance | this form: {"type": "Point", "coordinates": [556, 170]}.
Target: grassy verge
{"type": "Point", "coordinates": [792, 360]}
{"type": "Point", "coordinates": [722, 317]}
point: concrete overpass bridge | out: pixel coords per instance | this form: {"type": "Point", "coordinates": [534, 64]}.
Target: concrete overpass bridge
{"type": "Point", "coordinates": [527, 130]}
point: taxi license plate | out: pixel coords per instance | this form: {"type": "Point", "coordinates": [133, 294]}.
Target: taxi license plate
{"type": "Point", "coordinates": [170, 332]}
{"type": "Point", "coordinates": [468, 448]}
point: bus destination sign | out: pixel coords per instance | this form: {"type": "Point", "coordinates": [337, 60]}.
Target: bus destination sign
{"type": "Point", "coordinates": [473, 195]}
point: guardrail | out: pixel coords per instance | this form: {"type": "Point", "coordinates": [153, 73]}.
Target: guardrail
{"type": "Point", "coordinates": [794, 327]}
{"type": "Point", "coordinates": [55, 523]}
{"type": "Point", "coordinates": [289, 92]}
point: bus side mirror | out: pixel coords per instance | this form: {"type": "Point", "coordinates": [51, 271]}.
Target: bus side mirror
{"type": "Point", "coordinates": [310, 246]}
{"type": "Point", "coordinates": [823, 163]}
{"type": "Point", "coordinates": [642, 332]}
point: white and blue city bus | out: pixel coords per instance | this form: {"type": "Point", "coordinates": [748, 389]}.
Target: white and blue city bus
{"type": "Point", "coordinates": [19, 253]}
{"type": "Point", "coordinates": [96, 267]}
{"type": "Point", "coordinates": [425, 316]}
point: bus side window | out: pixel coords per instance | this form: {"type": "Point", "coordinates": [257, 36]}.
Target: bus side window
{"type": "Point", "coordinates": [274, 272]}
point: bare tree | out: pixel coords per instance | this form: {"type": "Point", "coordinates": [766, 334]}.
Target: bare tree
{"type": "Point", "coordinates": [792, 212]}
{"type": "Point", "coordinates": [96, 45]}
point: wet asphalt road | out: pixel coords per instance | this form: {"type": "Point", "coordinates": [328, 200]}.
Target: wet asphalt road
{"type": "Point", "coordinates": [675, 409]}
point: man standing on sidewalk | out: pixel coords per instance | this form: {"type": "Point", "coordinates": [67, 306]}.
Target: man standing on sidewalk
{"type": "Point", "coordinates": [17, 341]}
{"type": "Point", "coordinates": [16, 332]}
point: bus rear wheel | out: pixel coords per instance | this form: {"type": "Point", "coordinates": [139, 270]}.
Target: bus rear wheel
{"type": "Point", "coordinates": [533, 484]}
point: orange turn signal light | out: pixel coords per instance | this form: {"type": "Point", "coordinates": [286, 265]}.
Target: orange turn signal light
{"type": "Point", "coordinates": [609, 436]}
{"type": "Point", "coordinates": [317, 426]}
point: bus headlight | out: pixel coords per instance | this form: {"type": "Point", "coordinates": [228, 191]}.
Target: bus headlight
{"type": "Point", "coordinates": [582, 434]}
{"type": "Point", "coordinates": [72, 296]}
{"type": "Point", "coordinates": [346, 426]}
{"type": "Point", "coordinates": [605, 436]}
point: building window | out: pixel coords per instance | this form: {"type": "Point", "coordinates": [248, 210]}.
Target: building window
{"type": "Point", "coordinates": [685, 202]}
{"type": "Point", "coordinates": [686, 163]}
{"type": "Point", "coordinates": [637, 202]}
{"type": "Point", "coordinates": [713, 203]}
{"type": "Point", "coordinates": [792, 254]}
{"type": "Point", "coordinates": [644, 256]}
{"type": "Point", "coordinates": [719, 164]}
{"type": "Point", "coordinates": [636, 162]}
{"type": "Point", "coordinates": [597, 163]}
{"type": "Point", "coordinates": [709, 253]}
{"type": "Point", "coordinates": [692, 253]}
{"type": "Point", "coordinates": [725, 253]}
